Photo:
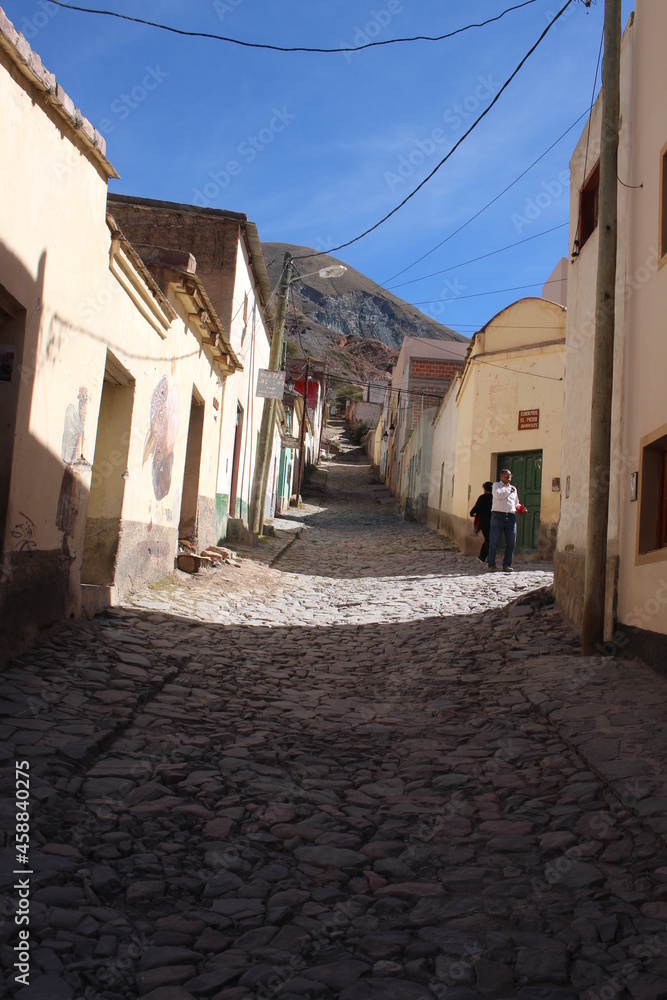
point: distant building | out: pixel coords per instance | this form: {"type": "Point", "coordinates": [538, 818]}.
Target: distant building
{"type": "Point", "coordinates": [555, 287]}
{"type": "Point", "coordinates": [504, 411]}
{"type": "Point", "coordinates": [420, 378]}
{"type": "Point", "coordinates": [308, 380]}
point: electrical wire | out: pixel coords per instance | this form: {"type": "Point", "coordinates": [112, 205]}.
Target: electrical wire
{"type": "Point", "coordinates": [427, 393]}
{"type": "Point", "coordinates": [488, 204]}
{"type": "Point", "coordinates": [435, 345]}
{"type": "Point", "coordinates": [474, 260]}
{"type": "Point", "coordinates": [456, 145]}
{"type": "Point", "coordinates": [496, 291]}
{"type": "Point", "coordinates": [287, 48]}
{"type": "Point", "coordinates": [519, 371]}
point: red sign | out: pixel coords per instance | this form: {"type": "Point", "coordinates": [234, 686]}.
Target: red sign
{"type": "Point", "coordinates": [529, 420]}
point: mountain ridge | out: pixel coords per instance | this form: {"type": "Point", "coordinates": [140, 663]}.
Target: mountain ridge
{"type": "Point", "coordinates": [350, 322]}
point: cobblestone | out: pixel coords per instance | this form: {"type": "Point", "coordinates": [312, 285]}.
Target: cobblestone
{"type": "Point", "coordinates": [357, 766]}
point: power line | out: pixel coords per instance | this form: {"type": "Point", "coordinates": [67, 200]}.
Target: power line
{"type": "Point", "coordinates": [288, 48]}
{"type": "Point", "coordinates": [426, 393]}
{"type": "Point", "coordinates": [496, 291]}
{"type": "Point", "coordinates": [508, 326]}
{"type": "Point", "coordinates": [489, 203]}
{"type": "Point", "coordinates": [363, 383]}
{"type": "Point", "coordinates": [435, 344]}
{"type": "Point", "coordinates": [474, 260]}
{"type": "Point", "coordinates": [452, 150]}
{"type": "Point", "coordinates": [519, 371]}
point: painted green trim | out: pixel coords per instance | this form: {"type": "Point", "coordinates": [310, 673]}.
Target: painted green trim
{"type": "Point", "coordinates": [221, 516]}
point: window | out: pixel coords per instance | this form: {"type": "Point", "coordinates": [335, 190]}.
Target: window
{"type": "Point", "coordinates": [588, 206]}
{"type": "Point", "coordinates": [653, 486]}
{"type": "Point", "coordinates": [663, 204]}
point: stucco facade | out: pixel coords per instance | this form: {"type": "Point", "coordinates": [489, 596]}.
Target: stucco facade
{"type": "Point", "coordinates": [112, 373]}
{"type": "Point", "coordinates": [229, 260]}
{"type": "Point", "coordinates": [416, 465]}
{"type": "Point", "coordinates": [420, 378]}
{"type": "Point", "coordinates": [507, 406]}
{"type": "Point", "coordinates": [637, 553]}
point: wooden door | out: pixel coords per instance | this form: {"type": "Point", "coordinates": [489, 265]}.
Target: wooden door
{"type": "Point", "coordinates": [526, 469]}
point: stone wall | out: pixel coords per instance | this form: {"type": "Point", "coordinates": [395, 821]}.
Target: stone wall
{"type": "Point", "coordinates": [569, 570]}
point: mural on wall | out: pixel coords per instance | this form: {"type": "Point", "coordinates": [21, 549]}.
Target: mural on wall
{"type": "Point", "coordinates": [161, 436]}
{"type": "Point", "coordinates": [72, 455]}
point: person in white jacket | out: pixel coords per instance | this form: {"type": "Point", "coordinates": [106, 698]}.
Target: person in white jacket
{"type": "Point", "coordinates": [503, 520]}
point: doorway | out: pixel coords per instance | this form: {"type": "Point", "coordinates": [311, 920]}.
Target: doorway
{"type": "Point", "coordinates": [188, 524]}
{"type": "Point", "coordinates": [12, 334]}
{"type": "Point", "coordinates": [107, 484]}
{"type": "Point", "coordinates": [526, 469]}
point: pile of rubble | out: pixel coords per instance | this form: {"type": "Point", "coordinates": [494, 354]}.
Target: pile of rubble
{"type": "Point", "coordinates": [190, 560]}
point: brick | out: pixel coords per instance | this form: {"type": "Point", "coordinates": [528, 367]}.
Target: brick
{"type": "Point", "coordinates": [66, 101]}
{"type": "Point", "coordinates": [7, 29]}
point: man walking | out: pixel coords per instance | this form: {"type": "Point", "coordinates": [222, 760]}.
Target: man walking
{"type": "Point", "coordinates": [503, 520]}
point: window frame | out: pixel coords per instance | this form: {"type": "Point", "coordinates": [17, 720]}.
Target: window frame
{"type": "Point", "coordinates": [651, 545]}
{"type": "Point", "coordinates": [662, 207]}
{"type": "Point", "coordinates": [589, 202]}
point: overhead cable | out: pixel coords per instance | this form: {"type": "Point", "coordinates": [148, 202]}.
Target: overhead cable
{"type": "Point", "coordinates": [496, 291]}
{"type": "Point", "coordinates": [474, 260]}
{"type": "Point", "coordinates": [489, 203]}
{"type": "Point", "coordinates": [452, 150]}
{"type": "Point", "coordinates": [287, 48]}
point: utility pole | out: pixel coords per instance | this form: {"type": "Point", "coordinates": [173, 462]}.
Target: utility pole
{"type": "Point", "coordinates": [302, 433]}
{"type": "Point", "coordinates": [595, 578]}
{"type": "Point", "coordinates": [263, 459]}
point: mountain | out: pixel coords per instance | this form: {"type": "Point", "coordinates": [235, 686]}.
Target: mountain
{"type": "Point", "coordinates": [350, 322]}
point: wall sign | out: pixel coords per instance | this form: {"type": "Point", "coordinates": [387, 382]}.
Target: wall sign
{"type": "Point", "coordinates": [529, 420]}
{"type": "Point", "coordinates": [270, 384]}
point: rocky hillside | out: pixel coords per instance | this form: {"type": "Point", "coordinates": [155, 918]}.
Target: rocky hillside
{"type": "Point", "coordinates": [350, 322]}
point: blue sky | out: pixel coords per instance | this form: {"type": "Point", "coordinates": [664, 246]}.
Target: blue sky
{"type": "Point", "coordinates": [315, 149]}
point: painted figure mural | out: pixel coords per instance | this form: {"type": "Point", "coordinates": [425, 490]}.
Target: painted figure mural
{"type": "Point", "coordinates": [161, 436]}
{"type": "Point", "coordinates": [71, 451]}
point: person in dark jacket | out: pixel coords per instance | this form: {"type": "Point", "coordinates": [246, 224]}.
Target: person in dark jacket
{"type": "Point", "coordinates": [482, 510]}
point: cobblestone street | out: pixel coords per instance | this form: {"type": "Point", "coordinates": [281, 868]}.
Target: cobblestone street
{"type": "Point", "coordinates": [356, 767]}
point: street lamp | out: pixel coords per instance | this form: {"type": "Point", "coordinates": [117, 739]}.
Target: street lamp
{"type": "Point", "coordinates": [263, 459]}
{"type": "Point", "coordinates": [332, 271]}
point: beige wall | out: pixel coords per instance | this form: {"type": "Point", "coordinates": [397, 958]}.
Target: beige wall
{"type": "Point", "coordinates": [639, 411]}
{"type": "Point", "coordinates": [85, 317]}
{"type": "Point", "coordinates": [515, 363]}
{"type": "Point", "coordinates": [250, 342]}
{"type": "Point", "coordinates": [642, 586]}
{"type": "Point", "coordinates": [443, 462]}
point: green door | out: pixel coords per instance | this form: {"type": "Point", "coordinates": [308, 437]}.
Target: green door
{"type": "Point", "coordinates": [526, 469]}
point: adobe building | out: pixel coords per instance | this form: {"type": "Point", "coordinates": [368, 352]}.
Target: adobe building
{"type": "Point", "coordinates": [111, 376]}
{"type": "Point", "coordinates": [420, 378]}
{"type": "Point", "coordinates": [504, 411]}
{"type": "Point", "coordinates": [637, 532]}
{"type": "Point", "coordinates": [230, 264]}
